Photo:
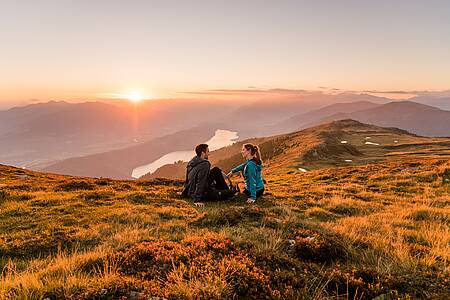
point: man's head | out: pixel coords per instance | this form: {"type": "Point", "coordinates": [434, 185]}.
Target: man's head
{"type": "Point", "coordinates": [202, 151]}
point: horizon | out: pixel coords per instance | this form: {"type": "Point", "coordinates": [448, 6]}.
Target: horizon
{"type": "Point", "coordinates": [241, 95]}
{"type": "Point", "coordinates": [62, 50]}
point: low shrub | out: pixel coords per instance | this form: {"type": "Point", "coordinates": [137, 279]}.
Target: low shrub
{"type": "Point", "coordinates": [75, 186]}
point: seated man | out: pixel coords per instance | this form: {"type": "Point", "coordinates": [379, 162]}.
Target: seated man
{"type": "Point", "coordinates": [203, 184]}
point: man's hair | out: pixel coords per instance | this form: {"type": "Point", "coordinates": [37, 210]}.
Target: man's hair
{"type": "Point", "coordinates": [200, 148]}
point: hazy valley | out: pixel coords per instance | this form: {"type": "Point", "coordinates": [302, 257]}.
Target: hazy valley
{"type": "Point", "coordinates": [113, 139]}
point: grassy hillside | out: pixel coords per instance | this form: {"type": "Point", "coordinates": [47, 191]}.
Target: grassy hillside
{"type": "Point", "coordinates": [352, 232]}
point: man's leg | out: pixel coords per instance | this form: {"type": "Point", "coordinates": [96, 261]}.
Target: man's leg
{"type": "Point", "coordinates": [218, 195]}
{"type": "Point", "coordinates": [211, 195]}
{"type": "Point", "coordinates": [216, 179]}
{"type": "Point", "coordinates": [225, 194]}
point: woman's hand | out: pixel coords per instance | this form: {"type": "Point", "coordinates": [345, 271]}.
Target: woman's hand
{"type": "Point", "coordinates": [250, 200]}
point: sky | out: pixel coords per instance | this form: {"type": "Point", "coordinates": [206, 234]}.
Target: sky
{"type": "Point", "coordinates": [94, 49]}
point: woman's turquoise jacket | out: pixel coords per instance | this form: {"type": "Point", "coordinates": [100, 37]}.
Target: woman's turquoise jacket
{"type": "Point", "coordinates": [252, 174]}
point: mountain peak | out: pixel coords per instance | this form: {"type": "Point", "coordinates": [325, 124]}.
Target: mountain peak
{"type": "Point", "coordinates": [409, 104]}
{"type": "Point", "coordinates": [347, 123]}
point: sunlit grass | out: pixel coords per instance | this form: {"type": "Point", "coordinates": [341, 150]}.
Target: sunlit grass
{"type": "Point", "coordinates": [354, 232]}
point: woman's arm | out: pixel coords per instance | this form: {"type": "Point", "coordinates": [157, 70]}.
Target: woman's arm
{"type": "Point", "coordinates": [238, 168]}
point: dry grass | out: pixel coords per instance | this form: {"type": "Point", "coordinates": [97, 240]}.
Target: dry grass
{"type": "Point", "coordinates": [340, 233]}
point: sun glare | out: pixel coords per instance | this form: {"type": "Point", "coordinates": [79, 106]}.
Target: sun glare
{"type": "Point", "coordinates": [135, 97]}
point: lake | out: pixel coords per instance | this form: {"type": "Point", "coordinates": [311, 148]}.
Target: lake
{"type": "Point", "coordinates": [221, 138]}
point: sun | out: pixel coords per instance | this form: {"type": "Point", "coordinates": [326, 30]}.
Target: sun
{"type": "Point", "coordinates": [134, 96]}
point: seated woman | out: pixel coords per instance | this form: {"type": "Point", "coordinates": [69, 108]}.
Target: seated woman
{"type": "Point", "coordinates": [251, 170]}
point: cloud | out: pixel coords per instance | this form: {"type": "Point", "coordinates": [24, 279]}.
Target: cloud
{"type": "Point", "coordinates": [282, 92]}
{"type": "Point", "coordinates": [434, 94]}
{"type": "Point", "coordinates": [249, 91]}
{"type": "Point", "coordinates": [109, 95]}
{"type": "Point", "coordinates": [389, 92]}
{"type": "Point", "coordinates": [399, 94]}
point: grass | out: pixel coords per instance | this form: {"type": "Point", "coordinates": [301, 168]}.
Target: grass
{"type": "Point", "coordinates": [352, 232]}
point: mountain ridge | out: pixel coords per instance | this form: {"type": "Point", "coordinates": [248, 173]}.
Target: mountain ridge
{"type": "Point", "coordinates": [415, 117]}
{"type": "Point", "coordinates": [336, 143]}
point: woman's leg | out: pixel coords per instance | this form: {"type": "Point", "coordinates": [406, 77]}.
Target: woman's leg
{"type": "Point", "coordinates": [258, 193]}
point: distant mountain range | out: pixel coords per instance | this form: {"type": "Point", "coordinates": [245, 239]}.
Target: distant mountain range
{"type": "Point", "coordinates": [120, 163]}
{"type": "Point", "coordinates": [42, 136]}
{"type": "Point", "coordinates": [417, 118]}
{"type": "Point", "coordinates": [257, 118]}
{"type": "Point", "coordinates": [305, 120]}
{"type": "Point", "coordinates": [36, 135]}
{"type": "Point", "coordinates": [442, 102]}
{"type": "Point", "coordinates": [414, 117]}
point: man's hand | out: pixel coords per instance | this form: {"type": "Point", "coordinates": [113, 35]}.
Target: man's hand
{"type": "Point", "coordinates": [250, 200]}
{"type": "Point", "coordinates": [199, 204]}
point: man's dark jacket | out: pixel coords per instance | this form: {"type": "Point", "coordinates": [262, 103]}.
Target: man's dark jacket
{"type": "Point", "coordinates": [196, 183]}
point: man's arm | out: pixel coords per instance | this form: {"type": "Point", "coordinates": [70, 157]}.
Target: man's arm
{"type": "Point", "coordinates": [185, 191]}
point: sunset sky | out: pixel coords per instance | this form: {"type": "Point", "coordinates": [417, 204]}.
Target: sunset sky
{"type": "Point", "coordinates": [92, 49]}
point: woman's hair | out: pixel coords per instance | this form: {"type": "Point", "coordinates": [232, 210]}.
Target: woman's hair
{"type": "Point", "coordinates": [254, 150]}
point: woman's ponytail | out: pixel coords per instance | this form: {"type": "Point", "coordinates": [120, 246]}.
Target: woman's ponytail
{"type": "Point", "coordinates": [257, 155]}
{"type": "Point", "coordinates": [254, 150]}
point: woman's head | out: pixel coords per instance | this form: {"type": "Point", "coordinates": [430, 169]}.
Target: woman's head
{"type": "Point", "coordinates": [250, 151]}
